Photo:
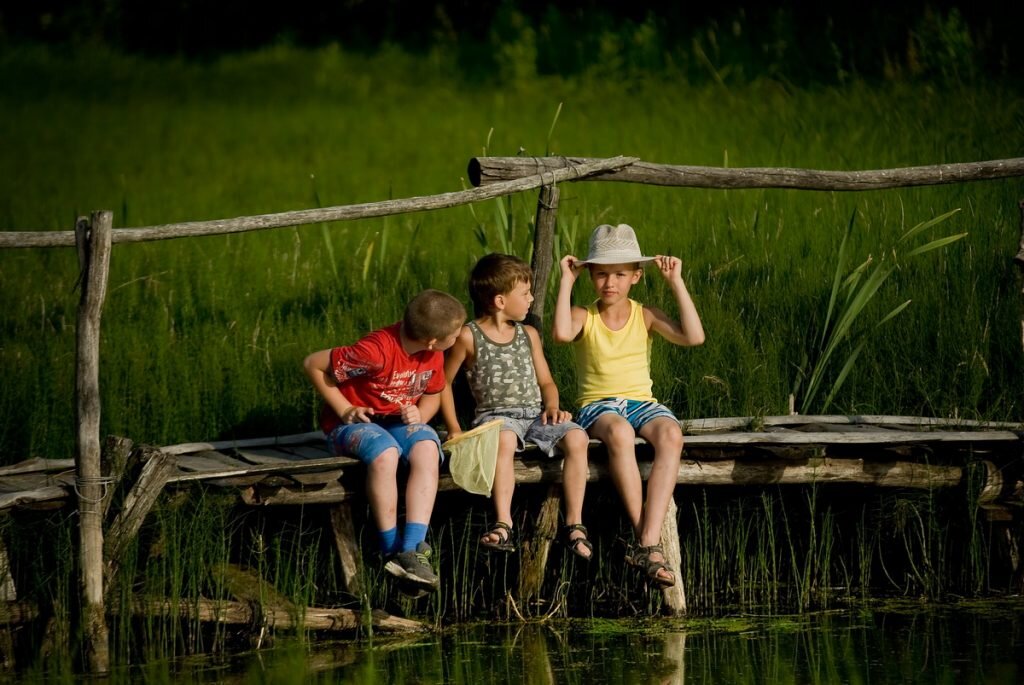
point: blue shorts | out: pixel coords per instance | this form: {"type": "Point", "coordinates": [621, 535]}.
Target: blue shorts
{"type": "Point", "coordinates": [366, 441]}
{"type": "Point", "coordinates": [637, 413]}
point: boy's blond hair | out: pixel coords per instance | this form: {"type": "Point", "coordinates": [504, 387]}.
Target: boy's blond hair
{"type": "Point", "coordinates": [432, 315]}
{"type": "Point", "coordinates": [495, 274]}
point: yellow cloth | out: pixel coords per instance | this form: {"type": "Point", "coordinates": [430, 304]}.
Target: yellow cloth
{"type": "Point", "coordinates": [474, 456]}
{"type": "Point", "coordinates": [614, 363]}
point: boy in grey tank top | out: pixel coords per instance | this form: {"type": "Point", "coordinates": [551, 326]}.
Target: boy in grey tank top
{"type": "Point", "coordinates": [510, 379]}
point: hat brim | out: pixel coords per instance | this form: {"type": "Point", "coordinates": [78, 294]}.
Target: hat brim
{"type": "Point", "coordinates": [620, 259]}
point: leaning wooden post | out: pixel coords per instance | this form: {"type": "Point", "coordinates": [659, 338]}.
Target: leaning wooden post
{"type": "Point", "coordinates": [93, 238]}
{"type": "Point", "coordinates": [543, 245]}
{"type": "Point", "coordinates": [674, 598]}
{"type": "Point", "coordinates": [1019, 259]}
{"type": "Point", "coordinates": [533, 557]}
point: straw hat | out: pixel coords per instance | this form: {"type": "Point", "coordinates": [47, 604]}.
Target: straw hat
{"type": "Point", "coordinates": [615, 245]}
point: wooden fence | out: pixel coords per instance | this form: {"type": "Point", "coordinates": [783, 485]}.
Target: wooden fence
{"type": "Point", "coordinates": [494, 177]}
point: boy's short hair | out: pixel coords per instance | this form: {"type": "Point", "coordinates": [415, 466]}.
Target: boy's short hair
{"type": "Point", "coordinates": [495, 274]}
{"type": "Point", "coordinates": [432, 315]}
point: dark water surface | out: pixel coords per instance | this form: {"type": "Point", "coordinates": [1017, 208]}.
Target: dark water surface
{"type": "Point", "coordinates": [976, 644]}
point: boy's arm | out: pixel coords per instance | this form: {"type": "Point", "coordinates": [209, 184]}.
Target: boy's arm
{"type": "Point", "coordinates": [453, 361]}
{"type": "Point", "coordinates": [688, 330]}
{"type": "Point", "coordinates": [568, 320]}
{"type": "Point", "coordinates": [428, 406]}
{"type": "Point", "coordinates": [551, 412]}
{"type": "Point", "coordinates": [318, 368]}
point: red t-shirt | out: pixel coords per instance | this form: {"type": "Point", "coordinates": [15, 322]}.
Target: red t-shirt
{"type": "Point", "coordinates": [376, 372]}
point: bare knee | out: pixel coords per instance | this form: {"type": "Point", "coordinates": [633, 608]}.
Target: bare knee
{"type": "Point", "coordinates": [424, 457]}
{"type": "Point", "coordinates": [385, 463]}
{"type": "Point", "coordinates": [575, 444]}
{"type": "Point", "coordinates": [666, 437]}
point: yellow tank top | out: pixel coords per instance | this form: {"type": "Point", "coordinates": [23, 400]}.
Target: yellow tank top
{"type": "Point", "coordinates": [614, 363]}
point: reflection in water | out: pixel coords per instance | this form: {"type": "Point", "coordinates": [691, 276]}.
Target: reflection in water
{"type": "Point", "coordinates": [949, 646]}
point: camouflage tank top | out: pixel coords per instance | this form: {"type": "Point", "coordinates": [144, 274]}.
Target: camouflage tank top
{"type": "Point", "coordinates": [503, 375]}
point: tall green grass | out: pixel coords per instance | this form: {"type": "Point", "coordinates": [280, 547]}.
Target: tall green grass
{"type": "Point", "coordinates": [204, 338]}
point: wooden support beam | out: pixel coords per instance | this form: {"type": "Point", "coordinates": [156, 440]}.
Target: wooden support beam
{"type": "Point", "coordinates": [534, 553]}
{"type": "Point", "coordinates": [347, 544]}
{"type": "Point", "coordinates": [93, 238]}
{"type": "Point", "coordinates": [673, 598]}
{"type": "Point", "coordinates": [543, 251]}
{"type": "Point", "coordinates": [115, 460]}
{"type": "Point", "coordinates": [157, 467]}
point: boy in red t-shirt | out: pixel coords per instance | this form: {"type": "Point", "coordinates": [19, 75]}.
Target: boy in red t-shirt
{"type": "Point", "coordinates": [379, 395]}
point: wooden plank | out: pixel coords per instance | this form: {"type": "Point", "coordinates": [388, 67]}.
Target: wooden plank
{"type": "Point", "coordinates": [264, 455]}
{"type": "Point", "coordinates": [288, 468]}
{"type": "Point", "coordinates": [849, 438]}
{"type": "Point", "coordinates": [746, 422]}
{"type": "Point", "coordinates": [311, 452]}
{"type": "Point", "coordinates": [298, 438]}
{"type": "Point", "coordinates": [37, 465]}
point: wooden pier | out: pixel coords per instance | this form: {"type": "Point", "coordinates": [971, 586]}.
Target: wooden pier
{"type": "Point", "coordinates": [874, 451]}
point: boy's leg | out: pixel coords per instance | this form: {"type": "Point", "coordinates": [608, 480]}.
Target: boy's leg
{"type": "Point", "coordinates": [618, 438]}
{"type": "Point", "coordinates": [421, 488]}
{"type": "Point", "coordinates": [666, 438]}
{"type": "Point", "coordinates": [574, 482]}
{"type": "Point", "coordinates": [504, 485]}
{"type": "Point", "coordinates": [379, 451]}
{"type": "Point", "coordinates": [382, 490]}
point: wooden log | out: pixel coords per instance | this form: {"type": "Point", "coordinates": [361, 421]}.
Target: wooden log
{"type": "Point", "coordinates": [244, 613]}
{"type": "Point", "coordinates": [543, 247]}
{"type": "Point", "coordinates": [263, 495]}
{"type": "Point", "coordinates": [93, 238]}
{"type": "Point", "coordinates": [673, 598]}
{"type": "Point", "coordinates": [534, 553]}
{"type": "Point", "coordinates": [890, 474]}
{"type": "Point", "coordinates": [347, 544]}
{"type": "Point", "coordinates": [367, 210]}
{"type": "Point", "coordinates": [484, 171]}
{"type": "Point", "coordinates": [8, 592]}
{"type": "Point", "coordinates": [157, 466]}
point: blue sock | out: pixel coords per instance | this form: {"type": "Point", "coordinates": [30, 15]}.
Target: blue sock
{"type": "Point", "coordinates": [389, 542]}
{"type": "Point", "coordinates": [414, 534]}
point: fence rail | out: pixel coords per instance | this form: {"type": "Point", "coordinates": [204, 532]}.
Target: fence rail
{"type": "Point", "coordinates": [484, 171]}
{"type": "Point", "coordinates": [365, 210]}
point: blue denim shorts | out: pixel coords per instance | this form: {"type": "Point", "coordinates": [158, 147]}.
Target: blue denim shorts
{"type": "Point", "coordinates": [366, 441]}
{"type": "Point", "coordinates": [637, 413]}
{"type": "Point", "coordinates": [526, 423]}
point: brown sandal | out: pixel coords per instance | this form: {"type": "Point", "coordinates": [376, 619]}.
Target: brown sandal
{"type": "Point", "coordinates": [640, 557]}
{"type": "Point", "coordinates": [503, 532]}
{"type": "Point", "coordinates": [574, 543]}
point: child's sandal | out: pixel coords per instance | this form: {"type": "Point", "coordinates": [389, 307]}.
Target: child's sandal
{"type": "Point", "coordinates": [574, 543]}
{"type": "Point", "coordinates": [503, 532]}
{"type": "Point", "coordinates": [641, 558]}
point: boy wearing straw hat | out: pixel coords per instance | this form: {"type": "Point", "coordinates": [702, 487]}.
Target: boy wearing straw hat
{"type": "Point", "coordinates": [510, 380]}
{"type": "Point", "coordinates": [612, 340]}
{"type": "Point", "coordinates": [379, 394]}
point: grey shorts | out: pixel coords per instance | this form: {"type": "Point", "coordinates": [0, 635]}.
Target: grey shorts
{"type": "Point", "coordinates": [526, 423]}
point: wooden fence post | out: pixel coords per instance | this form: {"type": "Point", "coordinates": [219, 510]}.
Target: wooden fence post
{"type": "Point", "coordinates": [93, 238]}
{"type": "Point", "coordinates": [1019, 259]}
{"type": "Point", "coordinates": [543, 244]}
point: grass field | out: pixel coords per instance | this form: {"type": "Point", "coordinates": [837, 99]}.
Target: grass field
{"type": "Point", "coordinates": [204, 337]}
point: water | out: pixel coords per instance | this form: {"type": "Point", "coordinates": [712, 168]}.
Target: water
{"type": "Point", "coordinates": [979, 644]}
